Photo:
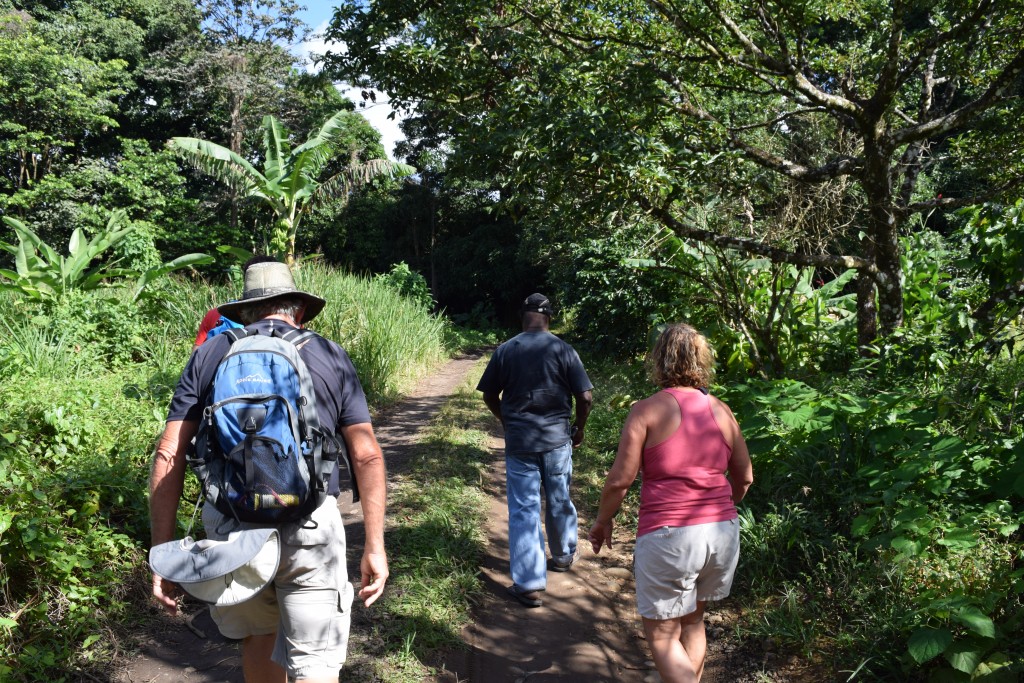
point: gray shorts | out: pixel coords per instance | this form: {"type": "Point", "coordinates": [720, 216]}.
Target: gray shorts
{"type": "Point", "coordinates": [309, 602]}
{"type": "Point", "coordinates": [677, 567]}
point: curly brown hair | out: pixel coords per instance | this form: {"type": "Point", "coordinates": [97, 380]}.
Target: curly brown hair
{"type": "Point", "coordinates": [681, 357]}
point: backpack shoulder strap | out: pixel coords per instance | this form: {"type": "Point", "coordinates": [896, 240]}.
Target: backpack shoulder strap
{"type": "Point", "coordinates": [309, 418]}
{"type": "Point", "coordinates": [297, 335]}
{"type": "Point", "coordinates": [236, 333]}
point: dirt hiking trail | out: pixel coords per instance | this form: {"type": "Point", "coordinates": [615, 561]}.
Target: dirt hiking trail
{"type": "Point", "coordinates": [586, 631]}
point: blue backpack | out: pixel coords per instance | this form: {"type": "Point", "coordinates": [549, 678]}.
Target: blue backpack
{"type": "Point", "coordinates": [223, 325]}
{"type": "Point", "coordinates": [260, 452]}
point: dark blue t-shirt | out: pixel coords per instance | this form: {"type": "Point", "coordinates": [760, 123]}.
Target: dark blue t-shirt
{"type": "Point", "coordinates": [340, 400]}
{"type": "Point", "coordinates": [536, 374]}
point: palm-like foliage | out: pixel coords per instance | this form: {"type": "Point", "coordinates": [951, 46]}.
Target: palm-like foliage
{"type": "Point", "coordinates": [290, 183]}
{"type": "Point", "coordinates": [41, 273]}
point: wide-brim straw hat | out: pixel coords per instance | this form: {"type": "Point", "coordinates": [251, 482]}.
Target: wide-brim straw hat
{"type": "Point", "coordinates": [220, 573]}
{"type": "Point", "coordinates": [266, 281]}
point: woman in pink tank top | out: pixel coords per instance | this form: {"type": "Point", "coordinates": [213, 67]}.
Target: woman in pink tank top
{"type": "Point", "coordinates": [696, 468]}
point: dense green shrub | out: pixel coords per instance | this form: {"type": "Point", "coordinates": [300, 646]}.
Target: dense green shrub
{"type": "Point", "coordinates": [74, 451]}
{"type": "Point", "coordinates": [615, 302]}
{"type": "Point", "coordinates": [408, 283]}
{"type": "Point", "coordinates": [112, 328]}
{"type": "Point", "coordinates": [929, 521]}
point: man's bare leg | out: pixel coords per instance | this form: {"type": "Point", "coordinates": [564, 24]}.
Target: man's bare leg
{"type": "Point", "coordinates": [256, 663]}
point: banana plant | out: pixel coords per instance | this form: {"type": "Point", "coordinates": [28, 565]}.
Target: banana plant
{"type": "Point", "coordinates": [41, 273]}
{"type": "Point", "coordinates": [289, 183]}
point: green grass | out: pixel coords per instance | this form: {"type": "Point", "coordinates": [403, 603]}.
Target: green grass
{"type": "Point", "coordinates": [435, 540]}
{"type": "Point", "coordinates": [466, 339]}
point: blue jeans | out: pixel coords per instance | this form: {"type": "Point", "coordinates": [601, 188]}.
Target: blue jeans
{"type": "Point", "coordinates": [525, 473]}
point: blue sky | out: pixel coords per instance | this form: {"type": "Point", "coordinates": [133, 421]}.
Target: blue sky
{"type": "Point", "coordinates": [316, 15]}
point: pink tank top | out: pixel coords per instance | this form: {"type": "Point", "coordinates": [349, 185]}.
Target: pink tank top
{"type": "Point", "coordinates": [684, 480]}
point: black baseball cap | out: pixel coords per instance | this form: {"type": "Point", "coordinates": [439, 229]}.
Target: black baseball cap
{"type": "Point", "coordinates": [537, 303]}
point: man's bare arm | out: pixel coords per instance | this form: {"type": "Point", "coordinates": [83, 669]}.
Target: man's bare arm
{"type": "Point", "coordinates": [166, 481]}
{"type": "Point", "coordinates": [584, 402]}
{"type": "Point", "coordinates": [493, 401]}
{"type": "Point", "coordinates": [368, 463]}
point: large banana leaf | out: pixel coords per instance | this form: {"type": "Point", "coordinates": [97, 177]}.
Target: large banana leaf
{"type": "Point", "coordinates": [43, 273]}
{"type": "Point", "coordinates": [329, 133]}
{"type": "Point", "coordinates": [74, 269]}
{"type": "Point", "coordinates": [341, 184]}
{"type": "Point", "coordinates": [224, 165]}
{"type": "Point", "coordinates": [310, 158]}
{"type": "Point", "coordinates": [278, 158]}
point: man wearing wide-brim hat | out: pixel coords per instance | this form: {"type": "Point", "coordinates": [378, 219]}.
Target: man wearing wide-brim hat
{"type": "Point", "coordinates": [298, 625]}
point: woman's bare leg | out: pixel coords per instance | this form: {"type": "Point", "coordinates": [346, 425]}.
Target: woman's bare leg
{"type": "Point", "coordinates": [665, 639]}
{"type": "Point", "coordinates": [694, 639]}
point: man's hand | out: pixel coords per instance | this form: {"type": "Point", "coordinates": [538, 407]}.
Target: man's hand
{"type": "Point", "coordinates": [166, 593]}
{"type": "Point", "coordinates": [577, 436]}
{"type": "Point", "coordinates": [584, 402]}
{"type": "Point", "coordinates": [374, 569]}
{"type": "Point", "coordinates": [600, 534]}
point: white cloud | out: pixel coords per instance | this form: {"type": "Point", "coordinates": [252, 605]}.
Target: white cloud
{"type": "Point", "coordinates": [376, 113]}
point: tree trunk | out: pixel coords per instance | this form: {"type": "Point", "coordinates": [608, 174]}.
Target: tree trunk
{"type": "Point", "coordinates": [882, 248]}
{"type": "Point", "coordinates": [867, 318]}
{"type": "Point", "coordinates": [433, 245]}
{"type": "Point", "coordinates": [889, 279]}
{"type": "Point", "coordinates": [236, 132]}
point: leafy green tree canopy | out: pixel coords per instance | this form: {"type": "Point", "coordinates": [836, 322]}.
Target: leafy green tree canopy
{"type": "Point", "coordinates": [51, 100]}
{"type": "Point", "coordinates": [653, 105]}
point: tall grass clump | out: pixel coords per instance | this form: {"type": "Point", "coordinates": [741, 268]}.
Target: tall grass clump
{"type": "Point", "coordinates": [392, 340]}
{"type": "Point", "coordinates": [183, 301]}
{"type": "Point", "coordinates": [36, 348]}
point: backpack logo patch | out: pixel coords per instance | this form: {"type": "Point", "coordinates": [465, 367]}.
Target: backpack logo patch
{"type": "Point", "coordinates": [254, 379]}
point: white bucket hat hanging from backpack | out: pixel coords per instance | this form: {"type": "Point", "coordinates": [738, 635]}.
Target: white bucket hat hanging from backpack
{"type": "Point", "coordinates": [221, 573]}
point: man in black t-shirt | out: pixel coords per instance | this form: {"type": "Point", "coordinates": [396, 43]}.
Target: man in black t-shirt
{"type": "Point", "coordinates": [298, 625]}
{"type": "Point", "coordinates": [530, 384]}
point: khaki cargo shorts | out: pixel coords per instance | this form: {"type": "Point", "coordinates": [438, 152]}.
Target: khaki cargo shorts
{"type": "Point", "coordinates": [309, 602]}
{"type": "Point", "coordinates": [677, 567]}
